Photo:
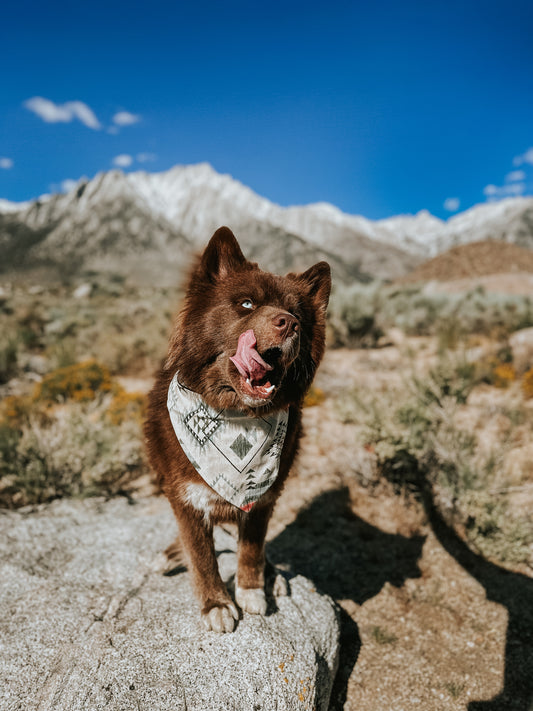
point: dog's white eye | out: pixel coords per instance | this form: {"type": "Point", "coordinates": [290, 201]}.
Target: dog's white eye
{"type": "Point", "coordinates": [247, 304]}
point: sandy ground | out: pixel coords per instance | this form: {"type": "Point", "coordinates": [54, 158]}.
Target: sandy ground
{"type": "Point", "coordinates": [427, 624]}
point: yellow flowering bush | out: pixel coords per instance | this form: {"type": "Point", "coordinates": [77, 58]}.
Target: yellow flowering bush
{"type": "Point", "coordinates": [90, 444]}
{"type": "Point", "coordinates": [527, 384]}
{"type": "Point", "coordinates": [126, 406]}
{"type": "Point", "coordinates": [315, 396]}
{"type": "Point", "coordinates": [13, 409]}
{"type": "Point", "coordinates": [503, 375]}
{"type": "Point", "coordinates": [80, 382]}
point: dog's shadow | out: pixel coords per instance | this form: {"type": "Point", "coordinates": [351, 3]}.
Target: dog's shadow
{"type": "Point", "coordinates": [346, 558]}
{"type": "Point", "coordinates": [515, 592]}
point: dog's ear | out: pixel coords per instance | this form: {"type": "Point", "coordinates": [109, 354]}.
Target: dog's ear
{"type": "Point", "coordinates": [221, 256]}
{"type": "Point", "coordinates": [317, 282]}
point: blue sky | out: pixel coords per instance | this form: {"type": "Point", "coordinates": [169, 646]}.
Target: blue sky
{"type": "Point", "coordinates": [379, 108]}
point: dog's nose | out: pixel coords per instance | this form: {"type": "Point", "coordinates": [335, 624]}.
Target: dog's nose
{"type": "Point", "coordinates": [285, 323]}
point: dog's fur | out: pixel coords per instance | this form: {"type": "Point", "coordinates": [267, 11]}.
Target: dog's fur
{"type": "Point", "coordinates": [288, 317]}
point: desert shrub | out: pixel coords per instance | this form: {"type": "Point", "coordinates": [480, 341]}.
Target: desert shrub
{"type": "Point", "coordinates": [62, 353]}
{"type": "Point", "coordinates": [73, 454]}
{"type": "Point", "coordinates": [419, 445]}
{"type": "Point", "coordinates": [360, 313]}
{"type": "Point", "coordinates": [124, 330]}
{"type": "Point", "coordinates": [81, 382]}
{"type": "Point", "coordinates": [450, 333]}
{"type": "Point", "coordinates": [314, 396]}
{"type": "Point", "coordinates": [9, 349]}
{"type": "Point", "coordinates": [126, 407]}
{"type": "Point", "coordinates": [503, 375]}
{"type": "Point", "coordinates": [14, 409]}
{"type": "Point", "coordinates": [352, 315]}
{"type": "Point", "coordinates": [497, 368]}
{"type": "Point", "coordinates": [527, 384]}
{"type": "Point", "coordinates": [492, 531]}
{"type": "Point", "coordinates": [79, 435]}
{"type": "Point", "coordinates": [31, 324]}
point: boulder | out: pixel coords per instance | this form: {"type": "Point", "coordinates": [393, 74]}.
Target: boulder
{"type": "Point", "coordinates": [521, 343]}
{"type": "Point", "coordinates": [86, 622]}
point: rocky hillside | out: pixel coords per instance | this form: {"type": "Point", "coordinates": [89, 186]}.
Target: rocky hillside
{"type": "Point", "coordinates": [474, 260]}
{"type": "Point", "coordinates": [147, 225]}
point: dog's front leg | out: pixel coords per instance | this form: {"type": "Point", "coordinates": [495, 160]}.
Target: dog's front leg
{"type": "Point", "coordinates": [218, 611]}
{"type": "Point", "coordinates": [250, 588]}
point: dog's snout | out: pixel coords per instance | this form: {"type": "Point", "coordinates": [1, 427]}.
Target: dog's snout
{"type": "Point", "coordinates": [285, 324]}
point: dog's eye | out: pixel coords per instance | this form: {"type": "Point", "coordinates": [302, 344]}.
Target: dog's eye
{"type": "Point", "coordinates": [247, 304]}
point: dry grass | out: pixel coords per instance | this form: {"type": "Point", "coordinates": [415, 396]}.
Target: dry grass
{"type": "Point", "coordinates": [437, 431]}
{"type": "Point", "coordinates": [77, 434]}
{"type": "Point", "coordinates": [360, 315]}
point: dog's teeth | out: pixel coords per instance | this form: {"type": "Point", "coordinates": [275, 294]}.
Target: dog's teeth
{"type": "Point", "coordinates": [269, 390]}
{"type": "Point", "coordinates": [248, 381]}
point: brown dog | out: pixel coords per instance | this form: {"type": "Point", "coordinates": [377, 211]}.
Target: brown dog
{"type": "Point", "coordinates": [226, 409]}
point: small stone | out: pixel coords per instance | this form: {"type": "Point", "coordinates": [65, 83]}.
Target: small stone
{"type": "Point", "coordinates": [82, 291]}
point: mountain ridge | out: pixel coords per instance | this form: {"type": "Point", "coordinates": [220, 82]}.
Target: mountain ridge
{"type": "Point", "coordinates": [148, 224]}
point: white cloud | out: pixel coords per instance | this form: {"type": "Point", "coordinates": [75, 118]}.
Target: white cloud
{"type": "Point", "coordinates": [526, 157]}
{"type": "Point", "coordinates": [514, 189]}
{"type": "Point", "coordinates": [83, 113]}
{"type": "Point", "coordinates": [146, 157]}
{"type": "Point", "coordinates": [65, 186]}
{"type": "Point", "coordinates": [515, 175]}
{"type": "Point", "coordinates": [125, 118]}
{"type": "Point", "coordinates": [494, 192]}
{"type": "Point", "coordinates": [452, 204]}
{"type": "Point", "coordinates": [490, 190]}
{"type": "Point", "coordinates": [62, 113]}
{"type": "Point", "coordinates": [123, 160]}
{"type": "Point", "coordinates": [113, 130]}
{"type": "Point", "coordinates": [68, 185]}
{"type": "Point", "coordinates": [6, 163]}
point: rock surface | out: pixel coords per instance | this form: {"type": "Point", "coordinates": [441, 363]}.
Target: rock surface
{"type": "Point", "coordinates": [521, 343]}
{"type": "Point", "coordinates": [87, 623]}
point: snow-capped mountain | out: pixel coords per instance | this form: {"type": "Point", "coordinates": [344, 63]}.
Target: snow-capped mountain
{"type": "Point", "coordinates": [509, 220]}
{"type": "Point", "coordinates": [147, 225]}
{"type": "Point", "coordinates": [199, 200]}
{"type": "Point", "coordinates": [8, 206]}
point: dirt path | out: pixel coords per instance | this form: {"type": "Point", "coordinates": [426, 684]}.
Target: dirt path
{"type": "Point", "coordinates": [427, 623]}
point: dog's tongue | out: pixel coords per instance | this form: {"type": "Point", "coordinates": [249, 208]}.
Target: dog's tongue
{"type": "Point", "coordinates": [247, 360]}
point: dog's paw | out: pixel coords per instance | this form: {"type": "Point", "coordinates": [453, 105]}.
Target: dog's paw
{"type": "Point", "coordinates": [281, 586]}
{"type": "Point", "coordinates": [221, 618]}
{"type": "Point", "coordinates": [160, 564]}
{"type": "Point", "coordinates": [164, 565]}
{"type": "Point", "coordinates": [251, 600]}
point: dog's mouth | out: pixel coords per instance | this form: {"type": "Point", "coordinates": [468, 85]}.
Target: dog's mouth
{"type": "Point", "coordinates": [259, 373]}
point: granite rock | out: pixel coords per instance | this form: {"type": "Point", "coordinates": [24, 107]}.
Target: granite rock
{"type": "Point", "coordinates": [86, 621]}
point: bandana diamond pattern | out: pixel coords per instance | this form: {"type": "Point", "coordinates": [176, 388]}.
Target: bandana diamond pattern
{"type": "Point", "coordinates": [238, 456]}
{"type": "Point", "coordinates": [200, 424]}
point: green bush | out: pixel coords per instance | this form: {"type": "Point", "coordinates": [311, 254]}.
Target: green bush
{"type": "Point", "coordinates": [359, 314]}
{"type": "Point", "coordinates": [352, 315]}
{"type": "Point", "coordinates": [78, 435]}
{"type": "Point", "coordinates": [9, 349]}
{"type": "Point", "coordinates": [419, 446]}
{"type": "Point", "coordinates": [71, 454]}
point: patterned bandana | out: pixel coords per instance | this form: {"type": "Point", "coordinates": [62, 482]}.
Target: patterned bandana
{"type": "Point", "coordinates": [238, 456]}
